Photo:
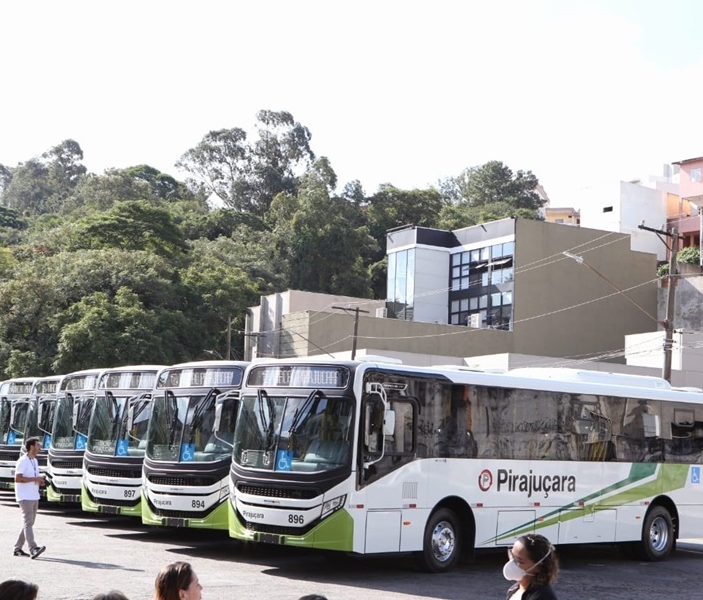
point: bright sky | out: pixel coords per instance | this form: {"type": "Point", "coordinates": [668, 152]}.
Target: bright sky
{"type": "Point", "coordinates": [403, 92]}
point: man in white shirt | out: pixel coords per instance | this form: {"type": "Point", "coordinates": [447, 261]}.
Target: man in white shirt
{"type": "Point", "coordinates": [27, 482]}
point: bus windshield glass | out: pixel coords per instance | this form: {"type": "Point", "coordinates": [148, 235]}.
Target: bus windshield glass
{"type": "Point", "coordinates": [181, 428]}
{"type": "Point", "coordinates": [65, 434]}
{"type": "Point", "coordinates": [18, 425]}
{"type": "Point", "coordinates": [108, 433]}
{"type": "Point", "coordinates": [293, 433]}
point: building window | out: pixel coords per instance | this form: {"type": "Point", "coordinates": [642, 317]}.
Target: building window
{"type": "Point", "coordinates": [481, 287]}
{"type": "Point", "coordinates": [607, 209]}
{"type": "Point", "coordinates": [696, 175]}
{"type": "Point", "coordinates": [401, 284]}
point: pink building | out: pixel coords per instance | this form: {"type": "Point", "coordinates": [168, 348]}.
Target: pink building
{"type": "Point", "coordinates": [687, 219]}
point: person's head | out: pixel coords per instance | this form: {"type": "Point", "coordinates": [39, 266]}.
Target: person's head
{"type": "Point", "coordinates": [14, 589]}
{"type": "Point", "coordinates": [312, 597]}
{"type": "Point", "coordinates": [32, 445]}
{"type": "Point", "coordinates": [535, 558]}
{"type": "Point", "coordinates": [111, 595]}
{"type": "Point", "coordinates": [177, 581]}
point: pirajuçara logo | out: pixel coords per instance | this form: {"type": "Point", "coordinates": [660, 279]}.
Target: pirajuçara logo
{"type": "Point", "coordinates": [528, 483]}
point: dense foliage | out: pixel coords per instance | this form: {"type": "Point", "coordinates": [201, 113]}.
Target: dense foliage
{"type": "Point", "coordinates": [134, 266]}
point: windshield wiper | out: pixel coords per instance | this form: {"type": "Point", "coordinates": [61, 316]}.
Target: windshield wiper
{"type": "Point", "coordinates": [267, 422]}
{"type": "Point", "coordinates": [85, 407]}
{"type": "Point", "coordinates": [109, 396]}
{"type": "Point", "coordinates": [304, 409]}
{"type": "Point", "coordinates": [171, 419]}
{"type": "Point", "coordinates": [200, 411]}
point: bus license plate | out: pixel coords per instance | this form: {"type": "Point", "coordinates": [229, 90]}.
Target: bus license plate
{"type": "Point", "coordinates": [110, 510]}
{"type": "Point", "coordinates": [270, 538]}
{"type": "Point", "coordinates": [173, 522]}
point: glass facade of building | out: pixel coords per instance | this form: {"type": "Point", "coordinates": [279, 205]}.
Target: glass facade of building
{"type": "Point", "coordinates": [401, 284]}
{"type": "Point", "coordinates": [481, 287]}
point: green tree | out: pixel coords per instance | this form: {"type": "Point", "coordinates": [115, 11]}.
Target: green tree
{"type": "Point", "coordinates": [131, 225]}
{"type": "Point", "coordinates": [42, 185]}
{"type": "Point", "coordinates": [217, 292]}
{"type": "Point", "coordinates": [247, 176]}
{"type": "Point", "coordinates": [391, 207]}
{"type": "Point", "coordinates": [104, 331]}
{"type": "Point", "coordinates": [319, 245]}
{"type": "Point", "coordinates": [489, 192]}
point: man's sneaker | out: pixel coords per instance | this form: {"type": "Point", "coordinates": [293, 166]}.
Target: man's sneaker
{"type": "Point", "coordinates": [20, 552]}
{"type": "Point", "coordinates": [37, 550]}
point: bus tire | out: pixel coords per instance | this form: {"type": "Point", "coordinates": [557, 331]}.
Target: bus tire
{"type": "Point", "coordinates": [441, 546]}
{"type": "Point", "coordinates": [657, 535]}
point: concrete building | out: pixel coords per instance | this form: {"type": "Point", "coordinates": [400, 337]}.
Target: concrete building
{"type": "Point", "coordinates": [622, 206]}
{"type": "Point", "coordinates": [499, 287]}
{"type": "Point", "coordinates": [563, 216]}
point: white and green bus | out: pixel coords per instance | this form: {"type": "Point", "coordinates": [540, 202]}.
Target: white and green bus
{"type": "Point", "coordinates": [116, 441]}
{"type": "Point", "coordinates": [189, 445]}
{"type": "Point", "coordinates": [69, 433]}
{"type": "Point", "coordinates": [375, 458]}
{"type": "Point", "coordinates": [12, 391]}
{"type": "Point", "coordinates": [24, 419]}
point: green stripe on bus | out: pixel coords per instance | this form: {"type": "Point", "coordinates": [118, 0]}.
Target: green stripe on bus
{"type": "Point", "coordinates": [668, 479]}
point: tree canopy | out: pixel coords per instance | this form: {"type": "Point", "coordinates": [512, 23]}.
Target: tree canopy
{"type": "Point", "coordinates": [136, 266]}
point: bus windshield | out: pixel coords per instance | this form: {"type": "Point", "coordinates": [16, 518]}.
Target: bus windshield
{"type": "Point", "coordinates": [181, 428]}
{"type": "Point", "coordinates": [108, 433]}
{"type": "Point", "coordinates": [18, 424]}
{"type": "Point", "coordinates": [65, 434]}
{"type": "Point", "coordinates": [293, 433]}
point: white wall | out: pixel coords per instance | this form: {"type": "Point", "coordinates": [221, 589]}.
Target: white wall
{"type": "Point", "coordinates": [631, 205]}
{"type": "Point", "coordinates": [431, 294]}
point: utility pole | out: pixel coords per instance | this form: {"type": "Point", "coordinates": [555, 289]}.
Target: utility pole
{"type": "Point", "coordinates": [670, 297]}
{"type": "Point", "coordinates": [356, 312]}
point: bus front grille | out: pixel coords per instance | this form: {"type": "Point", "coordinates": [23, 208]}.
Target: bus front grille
{"type": "Point", "coordinates": [185, 480]}
{"type": "Point", "coordinates": [278, 492]}
{"type": "Point", "coordinates": [66, 464]}
{"type": "Point", "coordinates": [102, 472]}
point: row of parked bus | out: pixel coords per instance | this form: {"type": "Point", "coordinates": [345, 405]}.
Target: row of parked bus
{"type": "Point", "coordinates": [147, 441]}
{"type": "Point", "coordinates": [371, 457]}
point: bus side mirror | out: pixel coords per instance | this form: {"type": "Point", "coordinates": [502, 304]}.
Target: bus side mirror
{"type": "Point", "coordinates": [389, 422]}
{"type": "Point", "coordinates": [12, 414]}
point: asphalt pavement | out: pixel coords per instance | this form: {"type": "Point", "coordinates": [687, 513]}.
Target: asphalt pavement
{"type": "Point", "coordinates": [87, 554]}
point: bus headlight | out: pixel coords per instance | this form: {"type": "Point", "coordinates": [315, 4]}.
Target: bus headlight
{"type": "Point", "coordinates": [330, 506]}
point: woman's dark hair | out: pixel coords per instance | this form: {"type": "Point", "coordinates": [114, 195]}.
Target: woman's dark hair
{"type": "Point", "coordinates": [172, 578]}
{"type": "Point", "coordinates": [14, 589]}
{"type": "Point", "coordinates": [111, 595]}
{"type": "Point", "coordinates": [312, 597]}
{"type": "Point", "coordinates": [539, 548]}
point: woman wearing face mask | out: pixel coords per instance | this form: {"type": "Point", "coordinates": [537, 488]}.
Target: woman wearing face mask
{"type": "Point", "coordinates": [534, 566]}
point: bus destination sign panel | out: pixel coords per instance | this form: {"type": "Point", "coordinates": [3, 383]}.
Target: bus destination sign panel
{"type": "Point", "coordinates": [299, 376]}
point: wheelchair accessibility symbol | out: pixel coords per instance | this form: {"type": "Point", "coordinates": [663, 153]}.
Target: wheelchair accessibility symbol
{"type": "Point", "coordinates": [122, 446]}
{"type": "Point", "coordinates": [284, 460]}
{"type": "Point", "coordinates": [80, 442]}
{"type": "Point", "coordinates": [187, 452]}
{"type": "Point", "coordinates": [695, 474]}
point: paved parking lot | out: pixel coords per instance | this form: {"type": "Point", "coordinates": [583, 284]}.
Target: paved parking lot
{"type": "Point", "coordinates": [88, 554]}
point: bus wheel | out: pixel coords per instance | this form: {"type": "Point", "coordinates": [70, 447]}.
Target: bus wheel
{"type": "Point", "coordinates": [657, 534]}
{"type": "Point", "coordinates": [442, 541]}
